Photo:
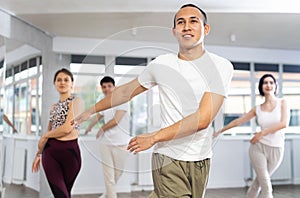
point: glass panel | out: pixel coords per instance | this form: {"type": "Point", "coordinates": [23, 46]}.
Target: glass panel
{"type": "Point", "coordinates": [259, 74]}
{"type": "Point", "coordinates": [2, 72]}
{"type": "Point", "coordinates": [291, 92]}
{"type": "Point", "coordinates": [139, 104]}
{"type": "Point", "coordinates": [8, 80]}
{"type": "Point", "coordinates": [139, 114]}
{"type": "Point", "coordinates": [88, 88]}
{"type": "Point", "coordinates": [32, 71]}
{"type": "Point", "coordinates": [21, 114]}
{"type": "Point", "coordinates": [21, 86]}
{"type": "Point", "coordinates": [129, 70]}
{"type": "Point", "coordinates": [40, 101]}
{"type": "Point", "coordinates": [87, 69]}
{"type": "Point", "coordinates": [238, 101]}
{"type": "Point", "coordinates": [21, 75]}
{"type": "Point", "coordinates": [33, 122]}
{"type": "Point", "coordinates": [8, 108]}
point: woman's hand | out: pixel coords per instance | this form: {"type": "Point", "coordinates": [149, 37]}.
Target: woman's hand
{"type": "Point", "coordinates": [36, 163]}
{"type": "Point", "coordinates": [257, 137]}
{"type": "Point", "coordinates": [216, 134]}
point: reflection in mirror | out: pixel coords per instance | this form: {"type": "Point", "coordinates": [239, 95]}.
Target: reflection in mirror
{"type": "Point", "coordinates": [2, 70]}
{"type": "Point", "coordinates": [22, 97]}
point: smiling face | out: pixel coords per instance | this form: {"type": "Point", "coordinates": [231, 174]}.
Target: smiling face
{"type": "Point", "coordinates": [189, 28]}
{"type": "Point", "coordinates": [63, 83]}
{"type": "Point", "coordinates": [269, 86]}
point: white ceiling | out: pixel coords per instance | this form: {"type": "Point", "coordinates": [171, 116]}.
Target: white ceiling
{"type": "Point", "coordinates": [92, 6]}
{"type": "Point", "coordinates": [256, 23]}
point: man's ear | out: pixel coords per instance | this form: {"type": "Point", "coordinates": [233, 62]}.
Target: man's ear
{"type": "Point", "coordinates": [174, 31]}
{"type": "Point", "coordinates": [206, 29]}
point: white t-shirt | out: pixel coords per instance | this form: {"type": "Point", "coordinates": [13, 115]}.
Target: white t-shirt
{"type": "Point", "coordinates": [181, 87]}
{"type": "Point", "coordinates": [120, 134]}
{"type": "Point", "coordinates": [268, 119]}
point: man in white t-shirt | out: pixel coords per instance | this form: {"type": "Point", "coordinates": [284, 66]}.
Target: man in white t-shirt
{"type": "Point", "coordinates": [114, 139]}
{"type": "Point", "coordinates": [192, 86]}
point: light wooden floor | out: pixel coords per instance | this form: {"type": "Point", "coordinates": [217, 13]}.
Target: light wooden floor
{"type": "Point", "coordinates": [284, 191]}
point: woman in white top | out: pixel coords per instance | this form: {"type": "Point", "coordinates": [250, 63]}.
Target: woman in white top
{"type": "Point", "coordinates": [267, 145]}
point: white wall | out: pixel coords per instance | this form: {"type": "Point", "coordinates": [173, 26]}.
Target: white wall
{"type": "Point", "coordinates": [296, 161]}
{"type": "Point", "coordinates": [91, 180]}
{"type": "Point", "coordinates": [230, 165]}
{"type": "Point", "coordinates": [72, 45]}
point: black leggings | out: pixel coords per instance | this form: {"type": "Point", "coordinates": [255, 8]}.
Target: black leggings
{"type": "Point", "coordinates": [61, 161]}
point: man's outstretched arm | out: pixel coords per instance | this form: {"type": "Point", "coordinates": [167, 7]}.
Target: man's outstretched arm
{"type": "Point", "coordinates": [119, 96]}
{"type": "Point", "coordinates": [208, 109]}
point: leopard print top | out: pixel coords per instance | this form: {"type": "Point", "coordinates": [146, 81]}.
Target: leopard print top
{"type": "Point", "coordinates": [59, 112]}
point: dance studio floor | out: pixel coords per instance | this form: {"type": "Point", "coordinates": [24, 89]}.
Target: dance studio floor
{"type": "Point", "coordinates": [285, 191]}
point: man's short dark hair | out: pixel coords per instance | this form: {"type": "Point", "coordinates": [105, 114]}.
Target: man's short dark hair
{"type": "Point", "coordinates": [193, 6]}
{"type": "Point", "coordinates": [107, 79]}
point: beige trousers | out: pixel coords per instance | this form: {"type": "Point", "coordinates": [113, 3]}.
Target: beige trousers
{"type": "Point", "coordinates": [113, 162]}
{"type": "Point", "coordinates": [265, 160]}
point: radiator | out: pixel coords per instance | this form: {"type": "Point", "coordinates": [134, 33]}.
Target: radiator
{"type": "Point", "coordinates": [19, 165]}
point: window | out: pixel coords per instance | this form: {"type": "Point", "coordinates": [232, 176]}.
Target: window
{"type": "Point", "coordinates": [22, 99]}
{"type": "Point", "coordinates": [86, 83]}
{"type": "Point", "coordinates": [139, 104]}
{"type": "Point", "coordinates": [239, 98]}
{"type": "Point", "coordinates": [291, 92]}
{"type": "Point", "coordinates": [1, 94]}
{"type": "Point", "coordinates": [245, 81]}
{"type": "Point", "coordinates": [89, 70]}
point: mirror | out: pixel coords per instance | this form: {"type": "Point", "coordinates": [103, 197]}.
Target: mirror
{"type": "Point", "coordinates": [22, 98]}
{"type": "Point", "coordinates": [21, 81]}
{"type": "Point", "coordinates": [2, 70]}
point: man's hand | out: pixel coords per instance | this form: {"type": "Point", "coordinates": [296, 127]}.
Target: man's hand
{"type": "Point", "coordinates": [256, 138]}
{"type": "Point", "coordinates": [81, 118]}
{"type": "Point", "coordinates": [87, 131]}
{"type": "Point", "coordinates": [100, 133]}
{"type": "Point", "coordinates": [141, 143]}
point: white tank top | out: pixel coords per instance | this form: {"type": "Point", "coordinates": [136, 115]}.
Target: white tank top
{"type": "Point", "coordinates": [268, 119]}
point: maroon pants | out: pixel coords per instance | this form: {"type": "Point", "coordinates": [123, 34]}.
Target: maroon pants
{"type": "Point", "coordinates": [61, 161]}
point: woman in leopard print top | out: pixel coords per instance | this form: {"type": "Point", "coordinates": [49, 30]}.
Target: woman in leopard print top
{"type": "Point", "coordinates": [58, 148]}
{"type": "Point", "coordinates": [59, 113]}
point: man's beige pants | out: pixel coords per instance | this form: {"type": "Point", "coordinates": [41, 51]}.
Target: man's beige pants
{"type": "Point", "coordinates": [113, 162]}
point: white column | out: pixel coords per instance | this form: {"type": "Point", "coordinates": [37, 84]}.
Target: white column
{"type": "Point", "coordinates": [253, 96]}
{"type": "Point", "coordinates": [110, 62]}
{"type": "Point", "coordinates": [280, 81]}
{"type": "Point", "coordinates": [51, 63]}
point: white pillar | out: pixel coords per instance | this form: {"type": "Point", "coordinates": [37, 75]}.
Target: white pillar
{"type": "Point", "coordinates": [110, 62]}
{"type": "Point", "coordinates": [51, 63]}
